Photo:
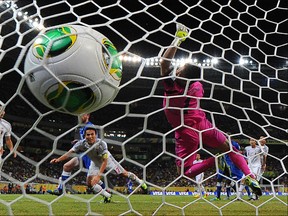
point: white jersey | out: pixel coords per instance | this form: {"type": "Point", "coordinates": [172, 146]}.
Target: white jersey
{"type": "Point", "coordinates": [5, 130]}
{"type": "Point", "coordinates": [253, 156]}
{"type": "Point", "coordinates": [96, 153]}
{"type": "Point", "coordinates": [96, 150]}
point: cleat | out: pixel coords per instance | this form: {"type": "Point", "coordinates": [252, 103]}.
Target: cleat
{"type": "Point", "coordinates": [144, 188]}
{"type": "Point", "coordinates": [107, 199]}
{"type": "Point", "coordinates": [254, 197]}
{"type": "Point", "coordinates": [55, 192]}
{"type": "Point", "coordinates": [254, 185]}
{"type": "Point", "coordinates": [215, 199]}
{"type": "Point", "coordinates": [196, 196]}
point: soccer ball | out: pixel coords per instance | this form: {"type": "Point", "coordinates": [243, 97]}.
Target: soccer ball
{"type": "Point", "coordinates": [73, 69]}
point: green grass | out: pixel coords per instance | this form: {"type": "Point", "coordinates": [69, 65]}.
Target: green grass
{"type": "Point", "coordinates": [137, 204]}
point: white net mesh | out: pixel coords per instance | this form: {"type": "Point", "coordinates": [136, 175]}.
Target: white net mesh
{"type": "Point", "coordinates": [242, 46]}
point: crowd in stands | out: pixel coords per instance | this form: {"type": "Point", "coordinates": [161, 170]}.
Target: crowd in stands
{"type": "Point", "coordinates": [159, 173]}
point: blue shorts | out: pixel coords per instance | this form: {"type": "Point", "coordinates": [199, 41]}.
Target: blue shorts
{"type": "Point", "coordinates": [222, 176]}
{"type": "Point", "coordinates": [237, 174]}
{"type": "Point", "coordinates": [86, 161]}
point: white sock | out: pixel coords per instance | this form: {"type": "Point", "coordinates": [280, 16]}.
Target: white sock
{"type": "Point", "coordinates": [133, 177]}
{"type": "Point", "coordinates": [241, 188]}
{"type": "Point", "coordinates": [98, 189]}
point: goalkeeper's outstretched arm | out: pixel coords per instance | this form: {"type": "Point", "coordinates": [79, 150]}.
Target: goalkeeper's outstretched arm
{"type": "Point", "coordinates": [180, 36]}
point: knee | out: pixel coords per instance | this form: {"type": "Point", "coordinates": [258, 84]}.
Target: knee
{"type": "Point", "coordinates": [88, 181]}
{"type": "Point", "coordinates": [67, 167]}
{"type": "Point", "coordinates": [225, 146]}
{"type": "Point", "coordinates": [125, 173]}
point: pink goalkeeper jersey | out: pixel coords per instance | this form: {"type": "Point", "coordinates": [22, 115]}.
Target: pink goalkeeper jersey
{"type": "Point", "coordinates": [177, 99]}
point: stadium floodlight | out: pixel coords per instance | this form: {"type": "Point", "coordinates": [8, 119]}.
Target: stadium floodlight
{"type": "Point", "coordinates": [214, 61]}
{"type": "Point", "coordinates": [241, 61]}
{"type": "Point", "coordinates": [20, 14]}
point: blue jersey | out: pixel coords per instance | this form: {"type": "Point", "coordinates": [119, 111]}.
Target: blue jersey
{"type": "Point", "coordinates": [237, 174]}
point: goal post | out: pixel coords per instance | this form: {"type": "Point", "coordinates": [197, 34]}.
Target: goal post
{"type": "Point", "coordinates": [242, 49]}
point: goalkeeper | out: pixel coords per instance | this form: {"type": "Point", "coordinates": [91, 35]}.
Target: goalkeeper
{"type": "Point", "coordinates": [182, 90]}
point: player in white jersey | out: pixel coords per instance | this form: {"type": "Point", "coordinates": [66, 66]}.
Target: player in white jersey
{"type": "Point", "coordinates": [253, 154]}
{"type": "Point", "coordinates": [5, 133]}
{"type": "Point", "coordinates": [101, 161]}
{"type": "Point", "coordinates": [199, 178]}
{"type": "Point", "coordinates": [265, 149]}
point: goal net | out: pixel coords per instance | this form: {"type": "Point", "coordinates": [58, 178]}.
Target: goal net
{"type": "Point", "coordinates": [241, 47]}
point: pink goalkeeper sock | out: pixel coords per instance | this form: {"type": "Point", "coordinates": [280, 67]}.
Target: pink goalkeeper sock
{"type": "Point", "coordinates": [240, 162]}
{"type": "Point", "coordinates": [198, 168]}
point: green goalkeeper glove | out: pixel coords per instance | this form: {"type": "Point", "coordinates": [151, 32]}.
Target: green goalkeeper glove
{"type": "Point", "coordinates": [181, 34]}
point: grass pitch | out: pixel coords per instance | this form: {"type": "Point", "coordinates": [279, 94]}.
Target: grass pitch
{"type": "Point", "coordinates": [137, 205]}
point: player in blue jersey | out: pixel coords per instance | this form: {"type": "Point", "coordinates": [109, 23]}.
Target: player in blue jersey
{"type": "Point", "coordinates": [229, 169]}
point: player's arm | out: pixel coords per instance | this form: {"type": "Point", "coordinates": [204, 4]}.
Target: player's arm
{"type": "Point", "coordinates": [104, 164]}
{"type": "Point", "coordinates": [102, 168]}
{"type": "Point", "coordinates": [245, 154]}
{"type": "Point", "coordinates": [63, 157]}
{"type": "Point", "coordinates": [263, 165]}
{"type": "Point", "coordinates": [9, 144]}
{"type": "Point", "coordinates": [180, 36]}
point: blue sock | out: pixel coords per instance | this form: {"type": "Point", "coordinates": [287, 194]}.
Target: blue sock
{"type": "Point", "coordinates": [248, 190]}
{"type": "Point", "coordinates": [64, 176]}
{"type": "Point", "coordinates": [218, 191]}
{"type": "Point", "coordinates": [228, 191]}
{"type": "Point", "coordinates": [102, 184]}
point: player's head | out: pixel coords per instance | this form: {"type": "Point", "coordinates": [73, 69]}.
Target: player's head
{"type": "Point", "coordinates": [198, 156]}
{"type": "Point", "coordinates": [84, 118]}
{"type": "Point", "coordinates": [91, 134]}
{"type": "Point", "coordinates": [189, 71]}
{"type": "Point", "coordinates": [2, 110]}
{"type": "Point", "coordinates": [253, 142]}
{"type": "Point", "coordinates": [262, 140]}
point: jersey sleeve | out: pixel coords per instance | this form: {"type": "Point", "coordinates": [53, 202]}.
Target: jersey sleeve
{"type": "Point", "coordinates": [8, 130]}
{"type": "Point", "coordinates": [78, 146]}
{"type": "Point", "coordinates": [236, 145]}
{"type": "Point", "coordinates": [266, 150]}
{"type": "Point", "coordinates": [104, 148]}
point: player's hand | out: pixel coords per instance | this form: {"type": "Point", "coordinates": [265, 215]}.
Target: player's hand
{"type": "Point", "coordinates": [95, 179]}
{"type": "Point", "coordinates": [55, 160]}
{"type": "Point", "coordinates": [181, 34]}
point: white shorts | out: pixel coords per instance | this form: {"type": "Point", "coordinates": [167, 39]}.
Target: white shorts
{"type": "Point", "coordinates": [256, 170]}
{"type": "Point", "coordinates": [199, 178]}
{"type": "Point", "coordinates": [112, 165]}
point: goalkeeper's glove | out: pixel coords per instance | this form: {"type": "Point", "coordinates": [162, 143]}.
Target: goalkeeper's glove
{"type": "Point", "coordinates": [181, 34]}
